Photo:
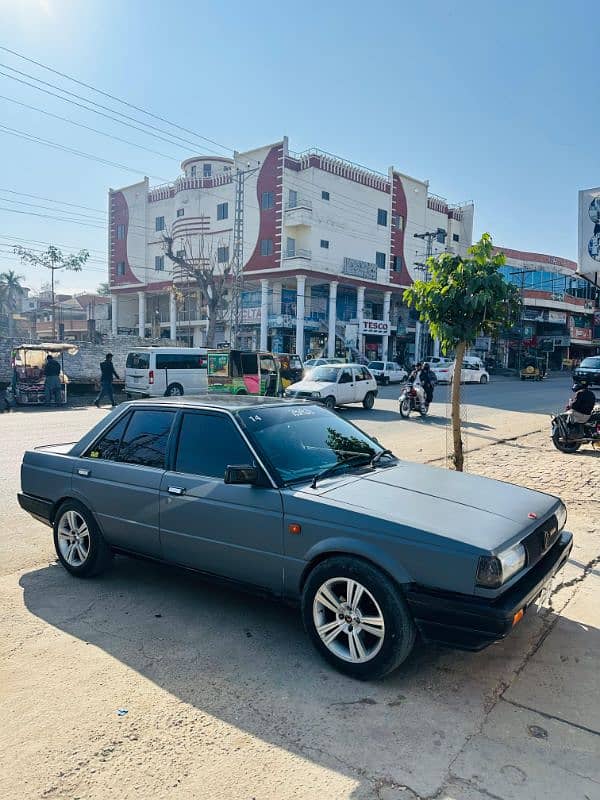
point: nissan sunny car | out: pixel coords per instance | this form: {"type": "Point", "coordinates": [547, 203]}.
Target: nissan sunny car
{"type": "Point", "coordinates": [286, 497]}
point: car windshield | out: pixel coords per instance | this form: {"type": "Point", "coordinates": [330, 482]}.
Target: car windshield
{"type": "Point", "coordinates": [591, 363]}
{"type": "Point", "coordinates": [325, 374]}
{"type": "Point", "coordinates": [138, 360]}
{"type": "Point", "coordinates": [301, 441]}
{"type": "Point", "coordinates": [376, 365]}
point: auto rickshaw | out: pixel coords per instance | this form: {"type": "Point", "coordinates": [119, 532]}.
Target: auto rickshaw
{"type": "Point", "coordinates": [290, 369]}
{"type": "Point", "coordinates": [534, 369]}
{"type": "Point", "coordinates": [28, 381]}
{"type": "Point", "coordinates": [243, 372]}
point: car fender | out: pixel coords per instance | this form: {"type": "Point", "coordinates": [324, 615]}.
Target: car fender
{"type": "Point", "coordinates": [346, 546]}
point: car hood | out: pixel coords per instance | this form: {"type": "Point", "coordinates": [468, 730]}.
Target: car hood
{"type": "Point", "coordinates": [476, 511]}
{"type": "Point", "coordinates": [310, 386]}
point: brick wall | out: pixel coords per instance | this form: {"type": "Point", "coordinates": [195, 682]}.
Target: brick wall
{"type": "Point", "coordinates": [84, 367]}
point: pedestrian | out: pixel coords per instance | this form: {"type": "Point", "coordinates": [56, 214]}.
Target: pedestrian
{"type": "Point", "coordinates": [107, 371]}
{"type": "Point", "coordinates": [52, 384]}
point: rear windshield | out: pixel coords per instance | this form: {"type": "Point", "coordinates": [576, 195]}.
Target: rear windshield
{"type": "Point", "coordinates": [138, 361]}
{"type": "Point", "coordinates": [376, 365]}
{"type": "Point", "coordinates": [591, 363]}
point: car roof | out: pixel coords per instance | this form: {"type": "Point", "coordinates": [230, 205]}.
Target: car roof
{"type": "Point", "coordinates": [225, 402]}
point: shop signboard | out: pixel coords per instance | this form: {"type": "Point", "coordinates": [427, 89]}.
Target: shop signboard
{"type": "Point", "coordinates": [359, 269]}
{"type": "Point", "coordinates": [557, 316]}
{"type": "Point", "coordinates": [483, 343]}
{"type": "Point", "coordinates": [589, 231]}
{"type": "Point", "coordinates": [375, 327]}
{"type": "Point", "coordinates": [350, 335]}
{"type": "Point", "coordinates": [251, 316]}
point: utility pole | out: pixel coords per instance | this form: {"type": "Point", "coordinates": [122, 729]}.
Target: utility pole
{"type": "Point", "coordinates": [237, 273]}
{"type": "Point", "coordinates": [421, 329]}
{"type": "Point", "coordinates": [521, 273]}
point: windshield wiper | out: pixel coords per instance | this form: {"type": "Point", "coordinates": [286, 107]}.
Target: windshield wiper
{"type": "Point", "coordinates": [379, 455]}
{"type": "Point", "coordinates": [362, 458]}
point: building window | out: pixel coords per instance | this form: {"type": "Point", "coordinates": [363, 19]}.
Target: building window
{"type": "Point", "coordinates": [159, 263]}
{"type": "Point", "coordinates": [325, 244]}
{"type": "Point", "coordinates": [290, 247]}
{"type": "Point", "coordinates": [380, 260]}
{"type": "Point", "coordinates": [207, 170]}
{"type": "Point", "coordinates": [397, 222]}
{"type": "Point", "coordinates": [226, 168]}
{"type": "Point", "coordinates": [120, 231]}
{"type": "Point", "coordinates": [159, 224]}
{"type": "Point", "coordinates": [324, 195]}
{"type": "Point", "coordinates": [293, 199]}
{"type": "Point", "coordinates": [223, 254]}
{"type": "Point", "coordinates": [180, 212]}
{"type": "Point", "coordinates": [381, 216]}
{"type": "Point", "coordinates": [455, 237]}
{"type": "Point", "coordinates": [222, 210]}
{"type": "Point", "coordinates": [193, 172]}
{"type": "Point", "coordinates": [266, 247]}
{"type": "Point", "coordinates": [120, 268]}
{"type": "Point", "coordinates": [396, 263]}
{"type": "Point", "coordinates": [180, 254]}
{"type": "Point", "coordinates": [268, 200]}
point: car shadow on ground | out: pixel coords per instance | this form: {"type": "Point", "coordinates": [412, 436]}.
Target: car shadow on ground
{"type": "Point", "coordinates": [248, 662]}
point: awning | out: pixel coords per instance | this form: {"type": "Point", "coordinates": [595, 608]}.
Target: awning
{"type": "Point", "coordinates": [50, 347]}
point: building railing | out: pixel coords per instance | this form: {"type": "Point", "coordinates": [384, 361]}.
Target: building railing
{"type": "Point", "coordinates": [298, 252]}
{"type": "Point", "coordinates": [299, 203]}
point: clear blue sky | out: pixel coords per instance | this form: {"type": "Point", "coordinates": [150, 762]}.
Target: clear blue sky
{"type": "Point", "coordinates": [491, 101]}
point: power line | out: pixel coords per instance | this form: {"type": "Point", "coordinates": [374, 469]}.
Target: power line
{"type": "Point", "coordinates": [51, 200]}
{"type": "Point", "coordinates": [54, 210]}
{"type": "Point", "coordinates": [88, 127]}
{"type": "Point", "coordinates": [113, 97]}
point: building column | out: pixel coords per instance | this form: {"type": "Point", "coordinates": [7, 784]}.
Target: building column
{"type": "Point", "coordinates": [114, 313]}
{"type": "Point", "coordinates": [142, 314]}
{"type": "Point", "coordinates": [277, 289]}
{"type": "Point", "coordinates": [387, 296]}
{"type": "Point", "coordinates": [264, 313]}
{"type": "Point", "coordinates": [300, 295]}
{"type": "Point", "coordinates": [332, 319]}
{"type": "Point", "coordinates": [172, 317]}
{"type": "Point", "coordinates": [360, 315]}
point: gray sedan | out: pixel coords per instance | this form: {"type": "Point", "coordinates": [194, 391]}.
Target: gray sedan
{"type": "Point", "coordinates": [289, 498]}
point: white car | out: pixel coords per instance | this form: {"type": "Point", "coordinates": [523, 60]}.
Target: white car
{"type": "Point", "coordinates": [472, 371]}
{"type": "Point", "coordinates": [336, 385]}
{"type": "Point", "coordinates": [386, 372]}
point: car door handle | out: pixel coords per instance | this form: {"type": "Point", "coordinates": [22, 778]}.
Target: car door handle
{"type": "Point", "coordinates": [85, 473]}
{"type": "Point", "coordinates": [178, 490]}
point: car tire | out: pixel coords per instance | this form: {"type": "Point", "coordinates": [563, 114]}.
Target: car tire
{"type": "Point", "coordinates": [404, 409]}
{"type": "Point", "coordinates": [329, 402]}
{"type": "Point", "coordinates": [368, 401]}
{"type": "Point", "coordinates": [483, 379]}
{"type": "Point", "coordinates": [386, 380]}
{"type": "Point", "coordinates": [79, 544]}
{"type": "Point", "coordinates": [174, 390]}
{"type": "Point", "coordinates": [355, 651]}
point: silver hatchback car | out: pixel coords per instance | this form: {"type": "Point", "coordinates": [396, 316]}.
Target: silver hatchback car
{"type": "Point", "coordinates": [287, 497]}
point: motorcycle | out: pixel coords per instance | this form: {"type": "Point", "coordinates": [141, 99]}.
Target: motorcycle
{"type": "Point", "coordinates": [568, 437]}
{"type": "Point", "coordinates": [412, 400]}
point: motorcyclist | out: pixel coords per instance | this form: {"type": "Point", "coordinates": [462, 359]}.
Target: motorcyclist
{"type": "Point", "coordinates": [415, 380]}
{"type": "Point", "coordinates": [427, 382]}
{"type": "Point", "coordinates": [581, 405]}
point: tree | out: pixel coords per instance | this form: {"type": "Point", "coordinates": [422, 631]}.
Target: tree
{"type": "Point", "coordinates": [53, 259]}
{"type": "Point", "coordinates": [465, 298]}
{"type": "Point", "coordinates": [103, 289]}
{"type": "Point", "coordinates": [11, 288]}
{"type": "Point", "coordinates": [208, 267]}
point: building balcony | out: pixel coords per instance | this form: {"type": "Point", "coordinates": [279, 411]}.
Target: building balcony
{"type": "Point", "coordinates": [298, 254]}
{"type": "Point", "coordinates": [298, 214]}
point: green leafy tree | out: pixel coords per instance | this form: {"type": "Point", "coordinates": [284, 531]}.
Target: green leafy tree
{"type": "Point", "coordinates": [103, 289]}
{"type": "Point", "coordinates": [465, 298]}
{"type": "Point", "coordinates": [10, 284]}
{"type": "Point", "coordinates": [53, 259]}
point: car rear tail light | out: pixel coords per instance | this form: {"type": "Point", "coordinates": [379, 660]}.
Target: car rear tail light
{"type": "Point", "coordinates": [151, 377]}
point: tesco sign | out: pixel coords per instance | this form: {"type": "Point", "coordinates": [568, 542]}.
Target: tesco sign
{"type": "Point", "coordinates": [375, 327]}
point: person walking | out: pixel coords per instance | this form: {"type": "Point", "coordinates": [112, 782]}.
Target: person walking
{"type": "Point", "coordinates": [107, 371]}
{"type": "Point", "coordinates": [52, 384]}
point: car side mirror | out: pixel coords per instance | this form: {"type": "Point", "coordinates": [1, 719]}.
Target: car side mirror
{"type": "Point", "coordinates": [241, 474]}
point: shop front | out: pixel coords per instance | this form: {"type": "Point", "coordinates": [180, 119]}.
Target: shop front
{"type": "Point", "coordinates": [376, 337]}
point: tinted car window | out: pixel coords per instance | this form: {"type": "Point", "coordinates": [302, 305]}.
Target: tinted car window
{"type": "Point", "coordinates": [208, 443]}
{"type": "Point", "coordinates": [145, 439]}
{"type": "Point", "coordinates": [138, 360]}
{"type": "Point", "coordinates": [180, 361]}
{"type": "Point", "coordinates": [108, 446]}
{"type": "Point", "coordinates": [376, 365]}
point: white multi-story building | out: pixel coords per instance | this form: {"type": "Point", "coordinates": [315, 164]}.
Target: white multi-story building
{"type": "Point", "coordinates": [328, 247]}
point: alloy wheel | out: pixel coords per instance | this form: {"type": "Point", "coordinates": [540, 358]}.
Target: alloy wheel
{"type": "Point", "coordinates": [348, 620]}
{"type": "Point", "coordinates": [73, 538]}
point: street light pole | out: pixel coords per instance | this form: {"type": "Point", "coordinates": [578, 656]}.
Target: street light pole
{"type": "Point", "coordinates": [421, 328]}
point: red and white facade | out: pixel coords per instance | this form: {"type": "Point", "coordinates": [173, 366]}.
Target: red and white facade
{"type": "Point", "coordinates": [328, 248]}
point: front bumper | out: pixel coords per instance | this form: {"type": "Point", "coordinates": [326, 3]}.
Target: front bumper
{"type": "Point", "coordinates": [36, 506]}
{"type": "Point", "coordinates": [472, 622]}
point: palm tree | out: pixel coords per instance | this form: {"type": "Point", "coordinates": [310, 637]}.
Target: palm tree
{"type": "Point", "coordinates": [11, 288]}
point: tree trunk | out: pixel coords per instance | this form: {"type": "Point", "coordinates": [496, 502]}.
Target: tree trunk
{"type": "Point", "coordinates": [212, 323]}
{"type": "Point", "coordinates": [11, 310]}
{"type": "Point", "coordinates": [456, 431]}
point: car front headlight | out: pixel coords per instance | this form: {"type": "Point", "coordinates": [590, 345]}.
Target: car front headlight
{"type": "Point", "coordinates": [315, 394]}
{"type": "Point", "coordinates": [561, 516]}
{"type": "Point", "coordinates": [493, 571]}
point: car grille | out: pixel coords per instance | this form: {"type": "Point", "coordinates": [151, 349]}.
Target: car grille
{"type": "Point", "coordinates": [541, 540]}
{"type": "Point", "coordinates": [300, 395]}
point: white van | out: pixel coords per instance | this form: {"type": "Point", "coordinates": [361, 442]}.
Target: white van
{"type": "Point", "coordinates": [166, 371]}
